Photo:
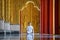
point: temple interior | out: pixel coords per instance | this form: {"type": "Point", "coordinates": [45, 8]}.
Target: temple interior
{"type": "Point", "coordinates": [43, 14]}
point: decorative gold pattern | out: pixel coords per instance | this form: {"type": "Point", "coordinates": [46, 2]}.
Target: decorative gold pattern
{"type": "Point", "coordinates": [30, 13]}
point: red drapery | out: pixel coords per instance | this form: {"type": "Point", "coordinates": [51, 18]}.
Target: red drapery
{"type": "Point", "coordinates": [46, 18]}
{"type": "Point", "coordinates": [56, 16]}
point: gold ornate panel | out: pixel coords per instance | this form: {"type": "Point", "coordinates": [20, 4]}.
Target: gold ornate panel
{"type": "Point", "coordinates": [6, 10]}
{"type": "Point", "coordinates": [14, 12]}
{"type": "Point", "coordinates": [30, 13]}
{"type": "Point", "coordinates": [0, 10]}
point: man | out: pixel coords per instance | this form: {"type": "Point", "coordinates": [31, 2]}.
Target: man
{"type": "Point", "coordinates": [30, 32]}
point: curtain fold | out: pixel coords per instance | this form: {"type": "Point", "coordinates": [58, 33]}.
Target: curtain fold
{"type": "Point", "coordinates": [46, 18]}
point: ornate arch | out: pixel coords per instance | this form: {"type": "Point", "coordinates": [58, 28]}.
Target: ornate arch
{"type": "Point", "coordinates": [30, 13]}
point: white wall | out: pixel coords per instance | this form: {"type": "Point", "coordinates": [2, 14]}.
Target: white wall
{"type": "Point", "coordinates": [6, 26]}
{"type": "Point", "coordinates": [1, 24]}
{"type": "Point", "coordinates": [15, 27]}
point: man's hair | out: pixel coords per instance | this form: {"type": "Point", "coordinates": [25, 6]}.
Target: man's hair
{"type": "Point", "coordinates": [29, 23]}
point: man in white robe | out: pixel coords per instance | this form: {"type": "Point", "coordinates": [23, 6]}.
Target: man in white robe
{"type": "Point", "coordinates": [30, 32]}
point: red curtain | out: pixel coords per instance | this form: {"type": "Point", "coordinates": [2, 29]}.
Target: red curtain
{"type": "Point", "coordinates": [56, 16]}
{"type": "Point", "coordinates": [46, 18]}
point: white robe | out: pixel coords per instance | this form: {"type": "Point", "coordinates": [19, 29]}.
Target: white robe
{"type": "Point", "coordinates": [30, 34]}
{"type": "Point", "coordinates": [29, 29]}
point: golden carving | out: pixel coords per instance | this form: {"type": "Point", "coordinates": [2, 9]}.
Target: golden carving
{"type": "Point", "coordinates": [30, 13]}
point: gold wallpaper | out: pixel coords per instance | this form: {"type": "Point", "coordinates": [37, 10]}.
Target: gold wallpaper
{"type": "Point", "coordinates": [11, 9]}
{"type": "Point", "coordinates": [1, 15]}
{"type": "Point", "coordinates": [10, 12]}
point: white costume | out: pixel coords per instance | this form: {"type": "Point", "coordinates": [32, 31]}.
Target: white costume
{"type": "Point", "coordinates": [30, 33]}
{"type": "Point", "coordinates": [29, 29]}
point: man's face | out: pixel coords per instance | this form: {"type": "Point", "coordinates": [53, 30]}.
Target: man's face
{"type": "Point", "coordinates": [30, 24]}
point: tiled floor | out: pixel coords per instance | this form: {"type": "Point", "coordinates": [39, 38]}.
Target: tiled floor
{"type": "Point", "coordinates": [27, 37]}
